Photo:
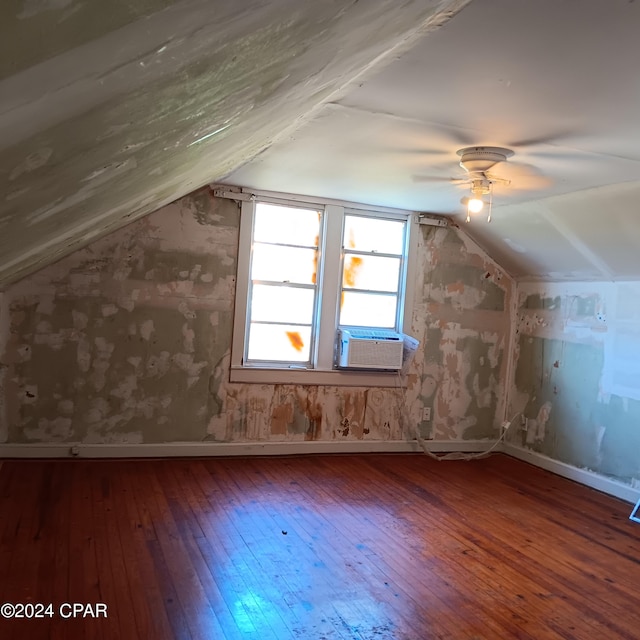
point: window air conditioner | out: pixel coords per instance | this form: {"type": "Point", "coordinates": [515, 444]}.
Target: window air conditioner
{"type": "Point", "coordinates": [369, 349]}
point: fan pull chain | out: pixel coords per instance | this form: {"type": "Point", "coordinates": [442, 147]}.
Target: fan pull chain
{"type": "Point", "coordinates": [490, 201]}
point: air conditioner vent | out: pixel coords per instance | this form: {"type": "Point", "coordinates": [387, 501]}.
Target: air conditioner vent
{"type": "Point", "coordinates": [369, 349]}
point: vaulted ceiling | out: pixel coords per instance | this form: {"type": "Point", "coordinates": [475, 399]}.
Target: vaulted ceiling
{"type": "Point", "coordinates": [110, 110]}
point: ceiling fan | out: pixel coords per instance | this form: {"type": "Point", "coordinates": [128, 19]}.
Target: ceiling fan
{"type": "Point", "coordinates": [478, 163]}
{"type": "Point", "coordinates": [487, 167]}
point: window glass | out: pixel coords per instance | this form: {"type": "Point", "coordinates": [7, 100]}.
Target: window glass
{"type": "Point", "coordinates": [279, 342]}
{"type": "Point", "coordinates": [367, 276]}
{"type": "Point", "coordinates": [373, 235]}
{"type": "Point", "coordinates": [368, 310]}
{"type": "Point", "coordinates": [286, 225]}
{"type": "Point", "coordinates": [282, 304]}
{"type": "Point", "coordinates": [275, 263]}
{"type": "Point", "coordinates": [282, 290]}
{"type": "Point", "coordinates": [370, 272]}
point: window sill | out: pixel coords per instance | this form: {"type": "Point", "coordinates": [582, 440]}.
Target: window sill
{"type": "Point", "coordinates": [333, 377]}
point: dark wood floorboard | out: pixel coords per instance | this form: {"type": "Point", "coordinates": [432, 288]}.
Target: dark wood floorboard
{"type": "Point", "coordinates": [366, 547]}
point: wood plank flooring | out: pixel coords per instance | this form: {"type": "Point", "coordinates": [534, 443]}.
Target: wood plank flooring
{"type": "Point", "coordinates": [393, 546]}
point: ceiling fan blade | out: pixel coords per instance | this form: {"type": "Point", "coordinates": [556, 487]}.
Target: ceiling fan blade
{"type": "Point", "coordinates": [550, 138]}
{"type": "Point", "coordinates": [418, 152]}
{"type": "Point", "coordinates": [461, 137]}
{"type": "Point", "coordinates": [441, 179]}
{"type": "Point", "coordinates": [521, 176]}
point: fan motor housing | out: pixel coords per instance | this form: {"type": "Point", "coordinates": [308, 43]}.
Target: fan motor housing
{"type": "Point", "coordinates": [481, 159]}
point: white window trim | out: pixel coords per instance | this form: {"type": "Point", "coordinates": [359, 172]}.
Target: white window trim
{"type": "Point", "coordinates": [324, 373]}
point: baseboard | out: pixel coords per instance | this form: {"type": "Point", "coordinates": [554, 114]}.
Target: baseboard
{"type": "Point", "coordinates": [214, 449]}
{"type": "Point", "coordinates": [583, 476]}
{"type": "Point", "coordinates": [210, 449]}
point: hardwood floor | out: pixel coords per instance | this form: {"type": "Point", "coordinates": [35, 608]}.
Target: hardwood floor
{"type": "Point", "coordinates": [333, 547]}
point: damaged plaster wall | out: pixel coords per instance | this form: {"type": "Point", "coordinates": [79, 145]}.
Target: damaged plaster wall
{"type": "Point", "coordinates": [462, 321]}
{"type": "Point", "coordinates": [576, 376]}
{"type": "Point", "coordinates": [128, 341]}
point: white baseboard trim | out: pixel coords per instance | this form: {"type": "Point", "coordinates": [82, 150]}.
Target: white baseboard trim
{"type": "Point", "coordinates": [583, 476]}
{"type": "Point", "coordinates": [217, 449]}
{"type": "Point", "coordinates": [212, 449]}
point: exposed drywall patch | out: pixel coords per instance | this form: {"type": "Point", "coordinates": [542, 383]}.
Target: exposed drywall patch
{"type": "Point", "coordinates": [621, 375]}
{"type": "Point", "coordinates": [188, 335]}
{"type": "Point", "coordinates": [312, 405]}
{"type": "Point", "coordinates": [192, 369]}
{"type": "Point", "coordinates": [126, 388]}
{"type": "Point", "coordinates": [83, 355]}
{"type": "Point", "coordinates": [146, 329]}
{"type": "Point", "coordinates": [109, 310]}
{"type": "Point", "coordinates": [468, 302]}
{"type": "Point", "coordinates": [352, 413]}
{"type": "Point", "coordinates": [101, 356]}
{"type": "Point", "coordinates": [535, 301]}
{"type": "Point", "coordinates": [536, 427]}
{"type": "Point", "coordinates": [564, 374]}
{"type": "Point", "coordinates": [55, 430]}
{"type": "Point", "coordinates": [80, 320]}
{"type": "Point", "coordinates": [383, 417]}
{"type": "Point", "coordinates": [139, 327]}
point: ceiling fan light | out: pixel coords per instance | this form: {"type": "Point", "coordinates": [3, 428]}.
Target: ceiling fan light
{"type": "Point", "coordinates": [475, 205]}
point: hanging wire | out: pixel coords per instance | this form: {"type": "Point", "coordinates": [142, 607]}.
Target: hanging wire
{"type": "Point", "coordinates": [490, 201]}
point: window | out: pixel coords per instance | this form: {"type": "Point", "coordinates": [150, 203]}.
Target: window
{"type": "Point", "coordinates": [307, 269]}
{"type": "Point", "coordinates": [283, 290]}
{"type": "Point", "coordinates": [372, 275]}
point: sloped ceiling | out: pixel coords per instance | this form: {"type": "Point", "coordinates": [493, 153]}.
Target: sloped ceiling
{"type": "Point", "coordinates": [554, 80]}
{"type": "Point", "coordinates": [110, 110]}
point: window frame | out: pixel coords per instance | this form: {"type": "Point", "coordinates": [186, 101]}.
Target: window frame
{"type": "Point", "coordinates": [402, 273]}
{"type": "Point", "coordinates": [330, 269]}
{"type": "Point", "coordinates": [315, 287]}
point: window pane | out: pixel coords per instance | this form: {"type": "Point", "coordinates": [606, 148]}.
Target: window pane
{"type": "Point", "coordinates": [286, 225]}
{"type": "Point", "coordinates": [373, 234]}
{"type": "Point", "coordinates": [279, 343]}
{"type": "Point", "coordinates": [371, 272]}
{"type": "Point", "coordinates": [284, 264]}
{"type": "Point", "coordinates": [282, 304]}
{"type": "Point", "coordinates": [368, 310]}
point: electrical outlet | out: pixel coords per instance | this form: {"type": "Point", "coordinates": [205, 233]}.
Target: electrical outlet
{"type": "Point", "coordinates": [426, 414]}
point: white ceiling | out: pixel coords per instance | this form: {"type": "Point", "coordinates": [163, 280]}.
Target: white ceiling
{"type": "Point", "coordinates": [554, 80]}
{"type": "Point", "coordinates": [108, 111]}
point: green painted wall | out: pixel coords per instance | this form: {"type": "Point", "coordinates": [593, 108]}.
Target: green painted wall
{"type": "Point", "coordinates": [576, 376]}
{"type": "Point", "coordinates": [128, 341]}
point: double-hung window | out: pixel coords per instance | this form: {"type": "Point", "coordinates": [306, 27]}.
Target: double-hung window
{"type": "Point", "coordinates": [283, 295]}
{"type": "Point", "coordinates": [308, 269]}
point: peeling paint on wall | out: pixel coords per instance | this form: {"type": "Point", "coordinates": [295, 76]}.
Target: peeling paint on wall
{"type": "Point", "coordinates": [128, 341]}
{"type": "Point", "coordinates": [466, 300]}
{"type": "Point", "coordinates": [576, 379]}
